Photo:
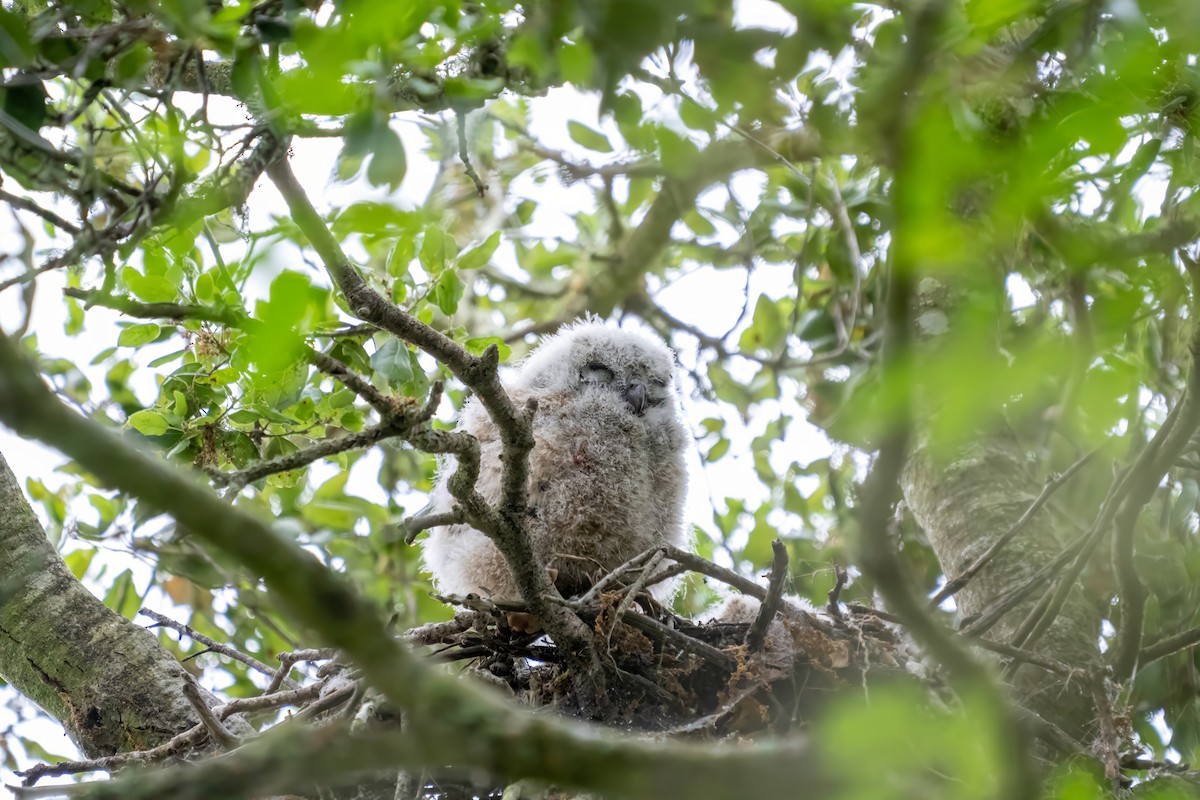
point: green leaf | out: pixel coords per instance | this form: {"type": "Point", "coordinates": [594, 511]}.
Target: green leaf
{"type": "Point", "coordinates": [480, 343]}
{"type": "Point", "coordinates": [433, 250]}
{"type": "Point", "coordinates": [78, 561]}
{"type": "Point", "coordinates": [392, 362]}
{"type": "Point", "coordinates": [717, 450]}
{"type": "Point", "coordinates": [699, 223]}
{"type": "Point", "coordinates": [206, 288]}
{"type": "Point", "coordinates": [152, 289]}
{"type": "Point", "coordinates": [447, 292]}
{"type": "Point", "coordinates": [767, 328]}
{"type": "Point", "coordinates": [169, 357]}
{"type": "Point", "coordinates": [149, 423]}
{"type": "Point", "coordinates": [577, 62]}
{"type": "Point", "coordinates": [138, 335]}
{"type": "Point", "coordinates": [122, 596]}
{"type": "Point", "coordinates": [696, 116]}
{"type": "Point", "coordinates": [16, 44]}
{"type": "Point", "coordinates": [588, 137]}
{"type": "Point", "coordinates": [476, 257]}
{"type": "Point", "coordinates": [388, 160]}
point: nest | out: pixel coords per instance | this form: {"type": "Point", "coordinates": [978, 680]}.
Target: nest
{"type": "Point", "coordinates": [668, 674]}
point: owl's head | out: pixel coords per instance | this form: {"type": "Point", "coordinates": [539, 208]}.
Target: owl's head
{"type": "Point", "coordinates": [589, 356]}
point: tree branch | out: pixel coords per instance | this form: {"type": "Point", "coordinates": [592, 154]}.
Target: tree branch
{"type": "Point", "coordinates": [502, 524]}
{"type": "Point", "coordinates": [757, 635]}
{"type": "Point", "coordinates": [456, 721]}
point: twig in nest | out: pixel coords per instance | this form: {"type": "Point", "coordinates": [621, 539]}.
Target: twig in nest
{"type": "Point", "coordinates": [179, 743]}
{"type": "Point", "coordinates": [631, 595]}
{"type": "Point", "coordinates": [219, 733]}
{"type": "Point", "coordinates": [757, 635]}
{"type": "Point", "coordinates": [329, 701]}
{"type": "Point", "coordinates": [287, 660]}
{"type": "Point", "coordinates": [1108, 742]}
{"type": "Point", "coordinates": [593, 594]}
{"type": "Point", "coordinates": [656, 630]}
{"type": "Point", "coordinates": [842, 577]}
{"type": "Point", "coordinates": [438, 632]}
{"type": "Point", "coordinates": [706, 722]}
{"type": "Point", "coordinates": [1018, 654]}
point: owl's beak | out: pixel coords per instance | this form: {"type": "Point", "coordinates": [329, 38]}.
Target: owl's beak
{"type": "Point", "coordinates": [635, 396]}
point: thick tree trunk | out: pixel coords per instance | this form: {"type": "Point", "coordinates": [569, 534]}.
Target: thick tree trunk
{"type": "Point", "coordinates": [104, 678]}
{"type": "Point", "coordinates": [965, 501]}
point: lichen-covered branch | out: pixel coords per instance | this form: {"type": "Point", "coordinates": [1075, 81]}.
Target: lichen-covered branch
{"type": "Point", "coordinates": [57, 641]}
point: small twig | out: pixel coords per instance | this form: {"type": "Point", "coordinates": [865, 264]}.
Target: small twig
{"type": "Point", "coordinates": [191, 691]}
{"type": "Point", "coordinates": [465, 156]}
{"type": "Point", "coordinates": [1028, 656]}
{"type": "Point", "coordinates": [189, 738]}
{"type": "Point", "coordinates": [46, 214]}
{"type": "Point", "coordinates": [709, 720]}
{"type": "Point", "coordinates": [386, 407]}
{"type": "Point", "coordinates": [353, 330]}
{"type": "Point", "coordinates": [634, 588]}
{"type": "Point", "coordinates": [657, 630]}
{"type": "Point", "coordinates": [288, 660]}
{"type": "Point", "coordinates": [593, 594]}
{"type": "Point", "coordinates": [439, 632]}
{"type": "Point", "coordinates": [211, 644]}
{"type": "Point", "coordinates": [1047, 731]}
{"type": "Point", "coordinates": [329, 701]}
{"type": "Point", "coordinates": [1169, 646]}
{"type": "Point", "coordinates": [175, 311]}
{"type": "Point", "coordinates": [268, 701]}
{"type": "Point", "coordinates": [414, 525]}
{"type": "Point", "coordinates": [757, 635]}
{"type": "Point", "coordinates": [841, 577]}
{"type": "Point", "coordinates": [954, 586]}
{"type": "Point", "coordinates": [236, 481]}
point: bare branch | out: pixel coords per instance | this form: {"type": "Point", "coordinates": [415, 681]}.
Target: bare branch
{"type": "Point", "coordinates": [1170, 645]}
{"type": "Point", "coordinates": [191, 690]}
{"type": "Point", "coordinates": [413, 526]}
{"type": "Point", "coordinates": [757, 635]}
{"type": "Point", "coordinates": [504, 523]}
{"type": "Point", "coordinates": [134, 308]}
{"type": "Point", "coordinates": [32, 207]}
{"type": "Point", "coordinates": [1052, 485]}
{"type": "Point", "coordinates": [211, 644]}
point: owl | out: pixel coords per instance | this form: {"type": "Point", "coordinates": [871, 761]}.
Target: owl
{"type": "Point", "coordinates": [607, 473]}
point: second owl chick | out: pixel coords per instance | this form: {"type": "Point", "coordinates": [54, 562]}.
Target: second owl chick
{"type": "Point", "coordinates": [607, 475]}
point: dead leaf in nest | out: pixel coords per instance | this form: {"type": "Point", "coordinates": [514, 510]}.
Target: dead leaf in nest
{"type": "Point", "coordinates": [838, 655]}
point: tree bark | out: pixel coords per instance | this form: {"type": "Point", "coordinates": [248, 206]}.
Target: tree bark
{"type": "Point", "coordinates": [967, 499]}
{"type": "Point", "coordinates": [107, 680]}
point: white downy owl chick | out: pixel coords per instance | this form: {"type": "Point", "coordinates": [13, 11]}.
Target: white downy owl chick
{"type": "Point", "coordinates": [607, 476]}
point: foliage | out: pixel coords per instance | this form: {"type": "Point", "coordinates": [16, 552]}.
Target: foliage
{"type": "Point", "coordinates": [498, 169]}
